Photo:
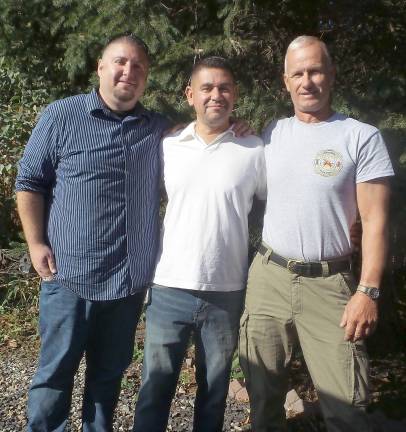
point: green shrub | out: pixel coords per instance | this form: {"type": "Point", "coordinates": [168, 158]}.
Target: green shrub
{"type": "Point", "coordinates": [21, 100]}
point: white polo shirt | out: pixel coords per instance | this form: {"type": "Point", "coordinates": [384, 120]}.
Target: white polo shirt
{"type": "Point", "coordinates": [210, 188]}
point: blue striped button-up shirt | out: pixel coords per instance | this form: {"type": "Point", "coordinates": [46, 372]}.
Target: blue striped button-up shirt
{"type": "Point", "coordinates": [100, 175]}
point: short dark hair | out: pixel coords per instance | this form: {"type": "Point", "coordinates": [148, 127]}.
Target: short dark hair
{"type": "Point", "coordinates": [130, 38]}
{"type": "Point", "coordinates": [212, 62]}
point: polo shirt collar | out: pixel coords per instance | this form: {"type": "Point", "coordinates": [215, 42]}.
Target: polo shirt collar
{"type": "Point", "coordinates": [96, 105]}
{"type": "Point", "coordinates": [190, 133]}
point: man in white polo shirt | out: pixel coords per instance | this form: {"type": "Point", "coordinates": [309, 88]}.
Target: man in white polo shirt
{"type": "Point", "coordinates": [210, 177]}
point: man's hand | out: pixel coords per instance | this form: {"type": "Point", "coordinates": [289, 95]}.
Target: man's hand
{"type": "Point", "coordinates": [43, 260]}
{"type": "Point", "coordinates": [241, 128]}
{"type": "Point", "coordinates": [360, 317]}
{"type": "Point", "coordinates": [31, 209]}
{"type": "Point", "coordinates": [173, 129]}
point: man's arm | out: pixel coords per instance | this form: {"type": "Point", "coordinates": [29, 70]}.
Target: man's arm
{"type": "Point", "coordinates": [241, 127]}
{"type": "Point", "coordinates": [361, 313]}
{"type": "Point", "coordinates": [31, 208]}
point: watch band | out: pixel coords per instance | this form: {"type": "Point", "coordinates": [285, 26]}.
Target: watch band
{"type": "Point", "coordinates": [371, 292]}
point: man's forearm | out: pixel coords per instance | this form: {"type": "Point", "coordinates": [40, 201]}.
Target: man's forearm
{"type": "Point", "coordinates": [373, 202]}
{"type": "Point", "coordinates": [374, 251]}
{"type": "Point", "coordinates": [31, 209]}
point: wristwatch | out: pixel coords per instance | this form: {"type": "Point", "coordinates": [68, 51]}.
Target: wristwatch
{"type": "Point", "coordinates": [371, 292]}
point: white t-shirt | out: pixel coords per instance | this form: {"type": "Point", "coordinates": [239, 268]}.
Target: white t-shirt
{"type": "Point", "coordinates": [312, 172]}
{"type": "Point", "coordinates": [210, 188]}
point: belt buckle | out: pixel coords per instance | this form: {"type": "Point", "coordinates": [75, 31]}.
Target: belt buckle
{"type": "Point", "coordinates": [291, 265]}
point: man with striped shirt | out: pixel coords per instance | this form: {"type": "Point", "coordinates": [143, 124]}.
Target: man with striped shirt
{"type": "Point", "coordinates": [87, 194]}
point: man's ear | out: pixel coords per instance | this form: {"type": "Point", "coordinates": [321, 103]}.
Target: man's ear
{"type": "Point", "coordinates": [99, 66]}
{"type": "Point", "coordinates": [236, 92]}
{"type": "Point", "coordinates": [286, 81]}
{"type": "Point", "coordinates": [333, 75]}
{"type": "Point", "coordinates": [189, 95]}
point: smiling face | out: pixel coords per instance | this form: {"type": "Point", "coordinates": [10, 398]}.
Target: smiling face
{"type": "Point", "coordinates": [309, 78]}
{"type": "Point", "coordinates": [212, 93]}
{"type": "Point", "coordinates": [123, 71]}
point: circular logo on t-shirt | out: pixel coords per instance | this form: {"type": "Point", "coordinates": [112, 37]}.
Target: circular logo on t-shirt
{"type": "Point", "coordinates": [328, 163]}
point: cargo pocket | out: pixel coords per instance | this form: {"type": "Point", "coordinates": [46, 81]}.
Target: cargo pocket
{"type": "Point", "coordinates": [243, 344]}
{"type": "Point", "coordinates": [360, 377]}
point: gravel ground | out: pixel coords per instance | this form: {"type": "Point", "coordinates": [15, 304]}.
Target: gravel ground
{"type": "Point", "coordinates": [18, 365]}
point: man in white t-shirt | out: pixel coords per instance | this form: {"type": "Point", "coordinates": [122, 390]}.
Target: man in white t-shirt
{"type": "Point", "coordinates": [322, 167]}
{"type": "Point", "coordinates": [210, 177]}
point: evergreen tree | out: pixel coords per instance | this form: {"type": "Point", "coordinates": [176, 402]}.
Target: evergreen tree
{"type": "Point", "coordinates": [55, 44]}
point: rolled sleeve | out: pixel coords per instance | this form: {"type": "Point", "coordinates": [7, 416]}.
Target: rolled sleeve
{"type": "Point", "coordinates": [36, 169]}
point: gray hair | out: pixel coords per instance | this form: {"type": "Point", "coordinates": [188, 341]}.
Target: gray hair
{"type": "Point", "coordinates": [304, 40]}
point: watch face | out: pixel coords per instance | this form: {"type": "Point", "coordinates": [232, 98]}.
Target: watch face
{"type": "Point", "coordinates": [371, 292]}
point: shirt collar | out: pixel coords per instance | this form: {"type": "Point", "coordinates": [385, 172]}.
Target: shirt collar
{"type": "Point", "coordinates": [95, 105]}
{"type": "Point", "coordinates": [190, 132]}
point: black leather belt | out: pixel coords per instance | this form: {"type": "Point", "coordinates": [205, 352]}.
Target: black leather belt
{"type": "Point", "coordinates": [308, 269]}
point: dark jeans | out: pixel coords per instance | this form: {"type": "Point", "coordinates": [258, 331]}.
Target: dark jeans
{"type": "Point", "coordinates": [172, 317]}
{"type": "Point", "coordinates": [71, 327]}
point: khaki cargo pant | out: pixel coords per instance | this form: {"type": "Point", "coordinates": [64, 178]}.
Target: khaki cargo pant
{"type": "Point", "coordinates": [283, 309]}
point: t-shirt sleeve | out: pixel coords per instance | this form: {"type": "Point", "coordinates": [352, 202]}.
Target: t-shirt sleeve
{"type": "Point", "coordinates": [267, 132]}
{"type": "Point", "coordinates": [373, 160]}
{"type": "Point", "coordinates": [36, 168]}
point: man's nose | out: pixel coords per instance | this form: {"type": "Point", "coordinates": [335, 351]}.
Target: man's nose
{"type": "Point", "coordinates": [306, 80]}
{"type": "Point", "coordinates": [215, 93]}
{"type": "Point", "coordinates": [127, 69]}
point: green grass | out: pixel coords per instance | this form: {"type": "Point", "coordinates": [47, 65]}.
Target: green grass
{"type": "Point", "coordinates": [19, 292]}
{"type": "Point", "coordinates": [236, 371]}
{"type": "Point", "coordinates": [19, 295]}
{"type": "Point", "coordinates": [19, 326]}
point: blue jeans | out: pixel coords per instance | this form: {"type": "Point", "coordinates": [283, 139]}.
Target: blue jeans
{"type": "Point", "coordinates": [172, 316]}
{"type": "Point", "coordinates": [70, 327]}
